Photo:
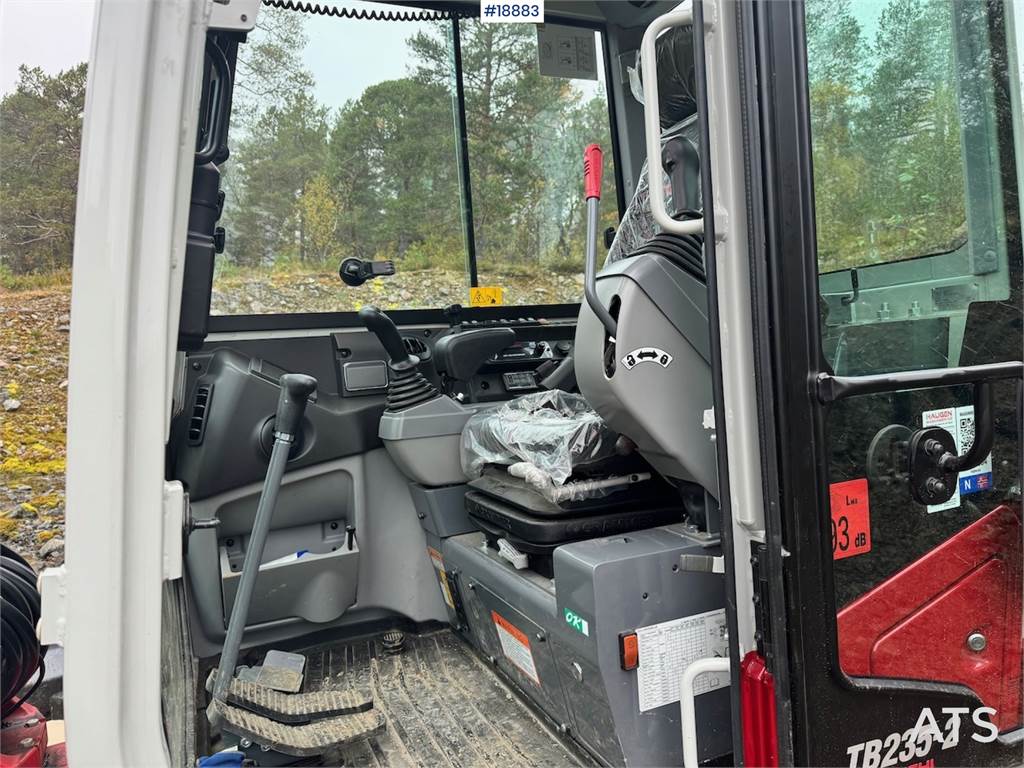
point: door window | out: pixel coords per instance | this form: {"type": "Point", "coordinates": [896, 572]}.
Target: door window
{"type": "Point", "coordinates": [919, 257]}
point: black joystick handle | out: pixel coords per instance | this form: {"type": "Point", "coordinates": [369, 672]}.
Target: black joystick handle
{"type": "Point", "coordinates": [385, 330]}
{"type": "Point", "coordinates": [291, 405]}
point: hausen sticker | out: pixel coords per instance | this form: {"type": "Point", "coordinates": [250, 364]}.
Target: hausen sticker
{"type": "Point", "coordinates": [647, 355]}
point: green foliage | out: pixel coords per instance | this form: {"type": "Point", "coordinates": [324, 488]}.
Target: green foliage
{"type": "Point", "coordinates": [378, 178]}
{"type": "Point", "coordinates": [40, 141]}
{"type": "Point", "coordinates": [886, 136]}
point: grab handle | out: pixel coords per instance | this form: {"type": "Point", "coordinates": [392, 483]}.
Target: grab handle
{"type": "Point", "coordinates": [652, 124]}
{"type": "Point", "coordinates": [688, 704]}
{"type": "Point", "coordinates": [592, 170]}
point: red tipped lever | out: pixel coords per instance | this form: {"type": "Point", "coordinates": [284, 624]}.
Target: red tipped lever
{"type": "Point", "coordinates": [592, 167]}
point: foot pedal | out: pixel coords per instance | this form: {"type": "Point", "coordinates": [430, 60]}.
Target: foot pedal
{"type": "Point", "coordinates": [293, 708]}
{"type": "Point", "coordinates": [300, 740]}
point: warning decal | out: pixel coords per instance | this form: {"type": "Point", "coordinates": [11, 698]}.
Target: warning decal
{"type": "Point", "coordinates": [485, 296]}
{"type": "Point", "coordinates": [665, 650]}
{"type": "Point", "coordinates": [851, 518]}
{"type": "Point", "coordinates": [442, 576]}
{"type": "Point", "coordinates": [516, 646]}
{"type": "Point", "coordinates": [959, 422]}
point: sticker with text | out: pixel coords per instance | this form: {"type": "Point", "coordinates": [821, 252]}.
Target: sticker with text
{"type": "Point", "coordinates": [959, 422]}
{"type": "Point", "coordinates": [913, 746]}
{"type": "Point", "coordinates": [577, 622]}
{"type": "Point", "coordinates": [516, 646]}
{"type": "Point", "coordinates": [505, 12]}
{"type": "Point", "coordinates": [485, 296]}
{"type": "Point", "coordinates": [851, 518]}
{"type": "Point", "coordinates": [647, 355]}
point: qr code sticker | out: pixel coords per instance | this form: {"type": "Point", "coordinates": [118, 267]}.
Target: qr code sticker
{"type": "Point", "coordinates": [966, 433]}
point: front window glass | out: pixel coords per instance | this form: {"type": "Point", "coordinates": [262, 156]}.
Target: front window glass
{"type": "Point", "coordinates": [345, 139]}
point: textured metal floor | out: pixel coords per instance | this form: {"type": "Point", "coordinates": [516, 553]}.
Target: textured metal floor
{"type": "Point", "coordinates": [444, 706]}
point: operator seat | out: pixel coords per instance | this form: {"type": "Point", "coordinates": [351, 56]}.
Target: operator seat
{"type": "Point", "coordinates": [654, 284]}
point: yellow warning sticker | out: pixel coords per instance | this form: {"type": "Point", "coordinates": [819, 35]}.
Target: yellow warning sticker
{"type": "Point", "coordinates": [485, 296]}
{"type": "Point", "coordinates": [442, 576]}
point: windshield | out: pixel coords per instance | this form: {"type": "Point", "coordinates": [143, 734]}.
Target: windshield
{"type": "Point", "coordinates": [357, 138]}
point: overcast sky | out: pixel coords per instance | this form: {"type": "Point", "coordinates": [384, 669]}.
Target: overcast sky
{"type": "Point", "coordinates": [52, 34]}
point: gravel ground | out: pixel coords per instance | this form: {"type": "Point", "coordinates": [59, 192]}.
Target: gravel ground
{"type": "Point", "coordinates": [33, 387]}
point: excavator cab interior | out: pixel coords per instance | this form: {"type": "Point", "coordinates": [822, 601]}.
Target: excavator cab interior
{"type": "Point", "coordinates": [494, 535]}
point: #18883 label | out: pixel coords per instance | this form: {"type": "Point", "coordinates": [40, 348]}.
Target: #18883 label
{"type": "Point", "coordinates": [493, 12]}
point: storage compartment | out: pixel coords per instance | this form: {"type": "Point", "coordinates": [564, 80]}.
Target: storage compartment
{"type": "Point", "coordinates": [309, 572]}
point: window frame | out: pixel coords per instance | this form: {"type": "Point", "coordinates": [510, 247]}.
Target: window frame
{"type": "Point", "coordinates": [435, 315]}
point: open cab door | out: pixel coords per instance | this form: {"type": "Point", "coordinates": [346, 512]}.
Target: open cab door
{"type": "Point", "coordinates": [886, 273]}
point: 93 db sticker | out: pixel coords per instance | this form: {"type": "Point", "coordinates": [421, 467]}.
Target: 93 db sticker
{"type": "Point", "coordinates": [647, 355]}
{"type": "Point", "coordinates": [851, 518]}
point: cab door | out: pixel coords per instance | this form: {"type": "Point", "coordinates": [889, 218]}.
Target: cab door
{"type": "Point", "coordinates": [891, 315]}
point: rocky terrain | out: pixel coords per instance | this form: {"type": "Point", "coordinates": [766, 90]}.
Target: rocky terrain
{"type": "Point", "coordinates": [324, 292]}
{"type": "Point", "coordinates": [34, 328]}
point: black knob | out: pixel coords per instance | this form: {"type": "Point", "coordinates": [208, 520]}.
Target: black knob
{"type": "Point", "coordinates": [385, 330]}
{"type": "Point", "coordinates": [291, 405]}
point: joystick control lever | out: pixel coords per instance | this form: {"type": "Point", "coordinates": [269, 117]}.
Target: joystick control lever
{"type": "Point", "coordinates": [384, 328]}
{"type": "Point", "coordinates": [406, 385]}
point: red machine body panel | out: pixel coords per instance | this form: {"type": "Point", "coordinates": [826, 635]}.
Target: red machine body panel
{"type": "Point", "coordinates": [915, 624]}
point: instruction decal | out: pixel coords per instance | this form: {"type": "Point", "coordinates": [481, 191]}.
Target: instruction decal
{"type": "Point", "coordinates": [485, 296]}
{"type": "Point", "coordinates": [959, 422]}
{"type": "Point", "coordinates": [665, 650]}
{"type": "Point", "coordinates": [566, 52]}
{"type": "Point", "coordinates": [442, 576]}
{"type": "Point", "coordinates": [647, 355]}
{"type": "Point", "coordinates": [851, 518]}
{"type": "Point", "coordinates": [516, 646]}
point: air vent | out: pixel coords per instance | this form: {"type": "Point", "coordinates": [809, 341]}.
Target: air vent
{"type": "Point", "coordinates": [200, 408]}
{"type": "Point", "coordinates": [416, 347]}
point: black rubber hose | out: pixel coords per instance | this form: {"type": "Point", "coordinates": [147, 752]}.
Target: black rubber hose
{"type": "Point", "coordinates": [21, 656]}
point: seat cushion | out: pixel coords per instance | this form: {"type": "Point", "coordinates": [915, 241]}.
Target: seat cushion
{"type": "Point", "coordinates": [540, 535]}
{"type": "Point", "coordinates": [499, 484]}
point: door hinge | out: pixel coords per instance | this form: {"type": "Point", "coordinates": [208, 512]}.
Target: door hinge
{"type": "Point", "coordinates": [175, 508]}
{"type": "Point", "coordinates": [762, 615]}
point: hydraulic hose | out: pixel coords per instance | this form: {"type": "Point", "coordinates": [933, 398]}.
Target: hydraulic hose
{"type": "Point", "coordinates": [21, 656]}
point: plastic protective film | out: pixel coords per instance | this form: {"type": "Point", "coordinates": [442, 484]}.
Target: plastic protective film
{"type": "Point", "coordinates": [542, 437]}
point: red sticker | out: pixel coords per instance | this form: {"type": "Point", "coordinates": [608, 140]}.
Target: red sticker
{"type": "Point", "coordinates": [851, 518]}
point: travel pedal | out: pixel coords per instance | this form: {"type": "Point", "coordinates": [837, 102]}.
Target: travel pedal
{"type": "Point", "coordinates": [299, 740]}
{"type": "Point", "coordinates": [293, 708]}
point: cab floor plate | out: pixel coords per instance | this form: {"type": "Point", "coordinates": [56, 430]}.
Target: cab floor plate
{"type": "Point", "coordinates": [294, 708]}
{"type": "Point", "coordinates": [443, 704]}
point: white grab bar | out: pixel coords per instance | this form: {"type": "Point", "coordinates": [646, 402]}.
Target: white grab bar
{"type": "Point", "coordinates": [688, 704]}
{"type": "Point", "coordinates": [652, 123]}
